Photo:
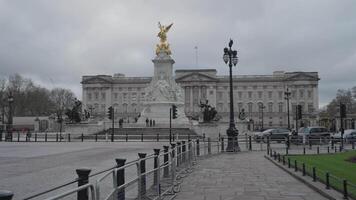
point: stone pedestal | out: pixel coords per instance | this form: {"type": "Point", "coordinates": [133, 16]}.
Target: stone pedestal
{"type": "Point", "coordinates": [210, 129]}
{"type": "Point", "coordinates": [162, 93]}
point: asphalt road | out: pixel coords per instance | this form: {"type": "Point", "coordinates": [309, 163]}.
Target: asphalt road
{"type": "Point", "coordinates": [29, 168]}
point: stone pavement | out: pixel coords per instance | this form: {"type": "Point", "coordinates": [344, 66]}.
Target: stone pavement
{"type": "Point", "coordinates": [243, 176]}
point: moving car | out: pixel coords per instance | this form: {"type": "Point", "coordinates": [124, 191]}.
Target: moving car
{"type": "Point", "coordinates": [314, 134]}
{"type": "Point", "coordinates": [277, 134]}
{"type": "Point", "coordinates": [349, 135]}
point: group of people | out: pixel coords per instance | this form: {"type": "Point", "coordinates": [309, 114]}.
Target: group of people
{"type": "Point", "coordinates": [150, 122]}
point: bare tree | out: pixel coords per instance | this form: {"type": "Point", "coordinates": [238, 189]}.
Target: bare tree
{"type": "Point", "coordinates": [62, 99]}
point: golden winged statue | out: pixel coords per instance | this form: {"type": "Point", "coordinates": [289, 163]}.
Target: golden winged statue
{"type": "Point", "coordinates": [163, 46]}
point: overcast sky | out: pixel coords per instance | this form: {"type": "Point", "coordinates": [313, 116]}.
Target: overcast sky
{"type": "Point", "coordinates": [56, 42]}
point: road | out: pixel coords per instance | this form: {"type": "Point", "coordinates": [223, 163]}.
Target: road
{"type": "Point", "coordinates": [29, 168]}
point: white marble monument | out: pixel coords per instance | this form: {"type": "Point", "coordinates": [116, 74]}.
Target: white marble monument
{"type": "Point", "coordinates": [163, 91]}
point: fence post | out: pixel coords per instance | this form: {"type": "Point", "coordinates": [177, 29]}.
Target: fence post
{"type": "Point", "coordinates": [142, 183]}
{"type": "Point", "coordinates": [83, 178]}
{"type": "Point", "coordinates": [6, 195]}
{"type": "Point", "coordinates": [120, 178]}
{"type": "Point", "coordinates": [222, 144]}
{"type": "Point", "coordinates": [295, 165]}
{"type": "Point", "coordinates": [275, 155]}
{"type": "Point", "coordinates": [287, 150]}
{"type": "Point", "coordinates": [141, 137]}
{"type": "Point", "coordinates": [209, 146]}
{"type": "Point", "coordinates": [184, 151]}
{"type": "Point", "coordinates": [328, 149]}
{"type": "Point", "coordinates": [156, 167]}
{"type": "Point", "coordinates": [314, 174]}
{"type": "Point", "coordinates": [304, 150]}
{"type": "Point", "coordinates": [279, 157]}
{"type": "Point", "coordinates": [127, 137]}
{"type": "Point", "coordinates": [288, 162]}
{"type": "Point", "coordinates": [284, 160]}
{"type": "Point", "coordinates": [112, 137]}
{"type": "Point", "coordinates": [345, 189]}
{"type": "Point", "coordinates": [317, 150]}
{"type": "Point", "coordinates": [173, 162]}
{"type": "Point", "coordinates": [96, 137]}
{"type": "Point", "coordinates": [332, 143]}
{"type": "Point", "coordinates": [18, 136]}
{"type": "Point", "coordinates": [45, 137]}
{"type": "Point", "coordinates": [157, 137]}
{"type": "Point", "coordinates": [353, 143]}
{"type": "Point", "coordinates": [56, 137]}
{"type": "Point", "coordinates": [327, 182]}
{"type": "Point", "coordinates": [165, 161]}
{"type": "Point", "coordinates": [250, 143]}
{"type": "Point", "coordinates": [303, 168]}
{"type": "Point", "coordinates": [82, 137]}
{"type": "Point", "coordinates": [179, 155]}
{"type": "Point", "coordinates": [198, 148]}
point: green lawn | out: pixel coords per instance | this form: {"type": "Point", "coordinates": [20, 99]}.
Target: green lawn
{"type": "Point", "coordinates": [335, 164]}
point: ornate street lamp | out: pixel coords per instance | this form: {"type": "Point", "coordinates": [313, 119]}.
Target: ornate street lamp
{"type": "Point", "coordinates": [287, 97]}
{"type": "Point", "coordinates": [231, 59]}
{"type": "Point", "coordinates": [10, 100]}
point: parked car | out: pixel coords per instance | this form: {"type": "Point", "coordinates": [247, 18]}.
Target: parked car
{"type": "Point", "coordinates": [314, 133]}
{"type": "Point", "coordinates": [349, 135]}
{"type": "Point", "coordinates": [277, 134]}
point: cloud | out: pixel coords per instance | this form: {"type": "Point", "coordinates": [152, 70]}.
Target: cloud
{"type": "Point", "coordinates": [56, 42]}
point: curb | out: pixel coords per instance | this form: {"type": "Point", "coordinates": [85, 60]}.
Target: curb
{"type": "Point", "coordinates": [313, 185]}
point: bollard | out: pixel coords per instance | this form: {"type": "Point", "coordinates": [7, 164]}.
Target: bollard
{"type": "Point", "coordinates": [156, 168]}
{"type": "Point", "coordinates": [141, 137]}
{"type": "Point", "coordinates": [317, 150]}
{"type": "Point", "coordinates": [83, 178]}
{"type": "Point", "coordinates": [127, 137]}
{"type": "Point", "coordinates": [6, 195]}
{"type": "Point", "coordinates": [222, 144]}
{"type": "Point", "coordinates": [303, 168]}
{"type": "Point", "coordinates": [250, 143]}
{"type": "Point", "coordinates": [165, 160]}
{"type": "Point", "coordinates": [68, 137]}
{"type": "Point", "coordinates": [18, 137]}
{"type": "Point", "coordinates": [209, 146]}
{"type": "Point", "coordinates": [183, 152]}
{"type": "Point", "coordinates": [274, 155]}
{"type": "Point", "coordinates": [56, 137]}
{"type": "Point", "coordinates": [295, 165]}
{"type": "Point", "coordinates": [304, 150]}
{"type": "Point", "coordinates": [82, 137]}
{"type": "Point", "coordinates": [345, 189]}
{"type": "Point", "coordinates": [279, 157]}
{"type": "Point", "coordinates": [112, 137]}
{"type": "Point", "coordinates": [96, 137]}
{"type": "Point", "coordinates": [142, 178]}
{"type": "Point", "coordinates": [198, 148]}
{"type": "Point", "coordinates": [287, 151]}
{"type": "Point", "coordinates": [288, 162]}
{"type": "Point", "coordinates": [173, 163]}
{"type": "Point", "coordinates": [314, 174]}
{"type": "Point", "coordinates": [327, 182]}
{"type": "Point", "coordinates": [179, 155]}
{"type": "Point", "coordinates": [120, 178]}
{"type": "Point", "coordinates": [328, 149]}
{"type": "Point", "coordinates": [353, 144]}
{"type": "Point", "coordinates": [157, 137]}
{"type": "Point", "coordinates": [45, 137]}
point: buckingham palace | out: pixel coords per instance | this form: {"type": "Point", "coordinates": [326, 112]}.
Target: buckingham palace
{"type": "Point", "coordinates": [261, 96]}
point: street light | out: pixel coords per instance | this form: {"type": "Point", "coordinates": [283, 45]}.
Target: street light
{"type": "Point", "coordinates": [10, 100]}
{"type": "Point", "coordinates": [230, 58]}
{"type": "Point", "coordinates": [287, 97]}
{"type": "Point", "coordinates": [261, 109]}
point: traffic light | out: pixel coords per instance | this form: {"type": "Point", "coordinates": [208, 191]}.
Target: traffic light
{"type": "Point", "coordinates": [174, 112]}
{"type": "Point", "coordinates": [110, 112]}
{"type": "Point", "coordinates": [299, 111]}
{"type": "Point", "coordinates": [342, 110]}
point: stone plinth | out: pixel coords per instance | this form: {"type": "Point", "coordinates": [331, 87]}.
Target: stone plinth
{"type": "Point", "coordinates": [210, 129]}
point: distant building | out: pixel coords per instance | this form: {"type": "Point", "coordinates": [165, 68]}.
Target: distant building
{"type": "Point", "coordinates": [127, 94]}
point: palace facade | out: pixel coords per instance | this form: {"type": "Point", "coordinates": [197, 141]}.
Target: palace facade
{"type": "Point", "coordinates": [251, 93]}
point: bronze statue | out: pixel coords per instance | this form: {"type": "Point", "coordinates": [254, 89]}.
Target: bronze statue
{"type": "Point", "coordinates": [209, 112]}
{"type": "Point", "coordinates": [163, 46]}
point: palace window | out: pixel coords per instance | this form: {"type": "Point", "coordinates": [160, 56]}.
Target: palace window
{"type": "Point", "coordinates": [240, 95]}
{"type": "Point", "coordinates": [270, 94]}
{"type": "Point", "coordinates": [260, 94]}
{"type": "Point", "coordinates": [280, 95]}
{"type": "Point", "coordinates": [294, 94]}
{"type": "Point", "coordinates": [280, 107]}
{"type": "Point", "coordinates": [96, 94]}
{"type": "Point", "coordinates": [103, 96]}
{"type": "Point", "coordinates": [309, 94]}
{"type": "Point", "coordinates": [249, 107]}
{"type": "Point", "coordinates": [133, 96]}
{"type": "Point", "coordinates": [301, 93]}
{"type": "Point", "coordinates": [89, 96]}
{"type": "Point", "coordinates": [125, 96]}
{"type": "Point", "coordinates": [250, 95]}
{"type": "Point", "coordinates": [270, 107]}
{"type": "Point", "coordinates": [115, 96]}
{"type": "Point", "coordinates": [310, 108]}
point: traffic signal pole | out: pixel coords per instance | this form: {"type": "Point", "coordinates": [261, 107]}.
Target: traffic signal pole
{"type": "Point", "coordinates": [170, 125]}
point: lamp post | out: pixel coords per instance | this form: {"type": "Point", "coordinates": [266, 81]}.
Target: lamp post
{"type": "Point", "coordinates": [261, 109]}
{"type": "Point", "coordinates": [231, 59]}
{"type": "Point", "coordinates": [10, 100]}
{"type": "Point", "coordinates": [287, 97]}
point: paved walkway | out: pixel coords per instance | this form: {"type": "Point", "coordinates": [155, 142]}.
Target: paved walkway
{"type": "Point", "coordinates": [243, 176]}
